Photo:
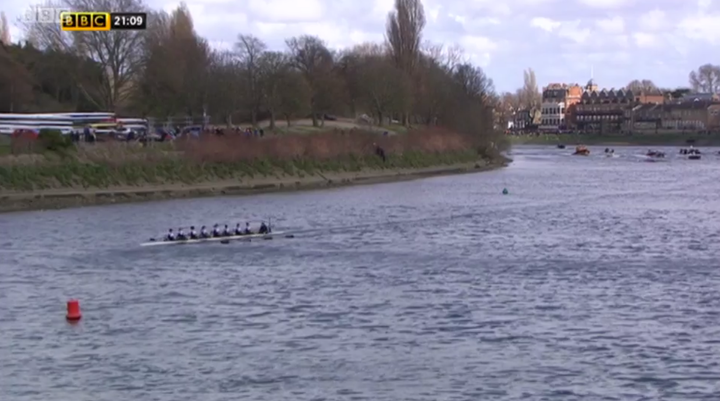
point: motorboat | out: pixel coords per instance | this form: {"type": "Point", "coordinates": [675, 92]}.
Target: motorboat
{"type": "Point", "coordinates": [581, 150]}
{"type": "Point", "coordinates": [655, 154]}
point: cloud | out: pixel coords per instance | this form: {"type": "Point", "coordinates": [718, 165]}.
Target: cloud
{"type": "Point", "coordinates": [287, 11]}
{"type": "Point", "coordinates": [701, 28]}
{"type": "Point", "coordinates": [645, 40]}
{"type": "Point", "coordinates": [614, 25]}
{"type": "Point", "coordinates": [479, 48]}
{"type": "Point", "coordinates": [546, 24]}
{"type": "Point", "coordinates": [607, 4]}
{"type": "Point", "coordinates": [654, 20]}
{"type": "Point", "coordinates": [562, 40]}
{"type": "Point", "coordinates": [574, 31]}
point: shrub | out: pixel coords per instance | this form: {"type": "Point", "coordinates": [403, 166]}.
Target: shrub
{"type": "Point", "coordinates": [54, 141]}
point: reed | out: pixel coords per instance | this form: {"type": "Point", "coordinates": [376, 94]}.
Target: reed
{"type": "Point", "coordinates": [231, 157]}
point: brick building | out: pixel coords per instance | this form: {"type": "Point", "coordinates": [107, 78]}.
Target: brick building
{"type": "Point", "coordinates": [603, 110]}
{"type": "Point", "coordinates": [688, 116]}
{"type": "Point", "coordinates": [701, 115]}
{"type": "Point", "coordinates": [558, 101]}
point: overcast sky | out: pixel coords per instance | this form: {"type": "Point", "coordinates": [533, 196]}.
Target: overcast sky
{"type": "Point", "coordinates": [562, 40]}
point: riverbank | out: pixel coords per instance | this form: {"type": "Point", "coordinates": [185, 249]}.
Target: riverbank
{"type": "Point", "coordinates": [59, 175]}
{"type": "Point", "coordinates": [672, 139]}
{"type": "Point", "coordinates": [68, 197]}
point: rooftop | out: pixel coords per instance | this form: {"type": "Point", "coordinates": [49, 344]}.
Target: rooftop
{"type": "Point", "coordinates": [608, 95]}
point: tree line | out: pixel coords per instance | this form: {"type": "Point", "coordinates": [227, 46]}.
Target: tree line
{"type": "Point", "coordinates": [169, 70]}
{"type": "Point", "coordinates": [706, 79]}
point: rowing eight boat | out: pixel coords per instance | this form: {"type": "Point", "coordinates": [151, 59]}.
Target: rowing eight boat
{"type": "Point", "coordinates": [211, 239]}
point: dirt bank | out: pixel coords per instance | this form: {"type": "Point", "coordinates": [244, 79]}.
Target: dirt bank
{"type": "Point", "coordinates": [65, 198]}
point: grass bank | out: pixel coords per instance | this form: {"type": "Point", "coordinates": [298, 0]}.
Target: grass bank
{"type": "Point", "coordinates": [304, 126]}
{"type": "Point", "coordinates": [663, 139]}
{"type": "Point", "coordinates": [112, 173]}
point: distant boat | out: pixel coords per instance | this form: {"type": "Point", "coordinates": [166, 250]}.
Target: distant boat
{"type": "Point", "coordinates": [561, 146]}
{"type": "Point", "coordinates": [582, 151]}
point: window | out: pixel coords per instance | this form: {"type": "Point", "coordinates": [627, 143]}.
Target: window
{"type": "Point", "coordinates": [562, 110]}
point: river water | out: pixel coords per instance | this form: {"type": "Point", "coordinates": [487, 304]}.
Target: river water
{"type": "Point", "coordinates": [593, 279]}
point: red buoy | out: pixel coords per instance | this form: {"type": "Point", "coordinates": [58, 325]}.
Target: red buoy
{"type": "Point", "coordinates": [73, 310]}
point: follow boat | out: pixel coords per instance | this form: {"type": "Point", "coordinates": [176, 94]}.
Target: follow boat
{"type": "Point", "coordinates": [581, 150]}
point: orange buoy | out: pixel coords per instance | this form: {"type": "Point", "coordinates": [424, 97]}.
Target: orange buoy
{"type": "Point", "coordinates": [73, 310]}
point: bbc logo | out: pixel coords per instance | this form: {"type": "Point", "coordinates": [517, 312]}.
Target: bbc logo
{"type": "Point", "coordinates": [42, 15]}
{"type": "Point", "coordinates": [84, 21]}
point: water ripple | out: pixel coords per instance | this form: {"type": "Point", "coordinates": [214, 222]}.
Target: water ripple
{"type": "Point", "coordinates": [595, 279]}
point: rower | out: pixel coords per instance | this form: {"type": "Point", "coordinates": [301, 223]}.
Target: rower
{"type": "Point", "coordinates": [193, 234]}
{"type": "Point", "coordinates": [181, 235]}
{"type": "Point", "coordinates": [216, 231]}
{"type": "Point", "coordinates": [204, 232]}
{"type": "Point", "coordinates": [247, 228]}
{"type": "Point", "coordinates": [238, 230]}
{"type": "Point", "coordinates": [170, 235]}
{"type": "Point", "coordinates": [263, 228]}
{"type": "Point", "coordinates": [226, 231]}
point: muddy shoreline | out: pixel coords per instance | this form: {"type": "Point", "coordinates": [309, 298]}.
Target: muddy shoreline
{"type": "Point", "coordinates": [68, 198]}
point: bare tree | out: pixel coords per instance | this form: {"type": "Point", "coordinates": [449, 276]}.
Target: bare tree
{"type": "Point", "coordinates": [310, 56]}
{"type": "Point", "coordinates": [385, 90]}
{"type": "Point", "coordinates": [530, 96]}
{"type": "Point", "coordinates": [296, 96]}
{"type": "Point", "coordinates": [507, 105]}
{"type": "Point", "coordinates": [641, 86]}
{"type": "Point", "coordinates": [117, 51]}
{"type": "Point", "coordinates": [473, 83]}
{"type": "Point", "coordinates": [172, 70]}
{"type": "Point", "coordinates": [225, 82]}
{"type": "Point", "coordinates": [404, 29]}
{"type": "Point", "coordinates": [706, 79]}
{"type": "Point", "coordinates": [369, 49]}
{"type": "Point", "coordinates": [273, 73]}
{"type": "Point", "coordinates": [447, 57]}
{"type": "Point", "coordinates": [16, 84]}
{"type": "Point", "coordinates": [175, 63]}
{"type": "Point", "coordinates": [404, 33]}
{"type": "Point", "coordinates": [249, 50]}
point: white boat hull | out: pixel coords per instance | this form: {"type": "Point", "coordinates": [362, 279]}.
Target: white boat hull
{"type": "Point", "coordinates": [212, 239]}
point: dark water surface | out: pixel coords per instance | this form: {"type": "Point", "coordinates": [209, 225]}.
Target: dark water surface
{"type": "Point", "coordinates": [594, 279]}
